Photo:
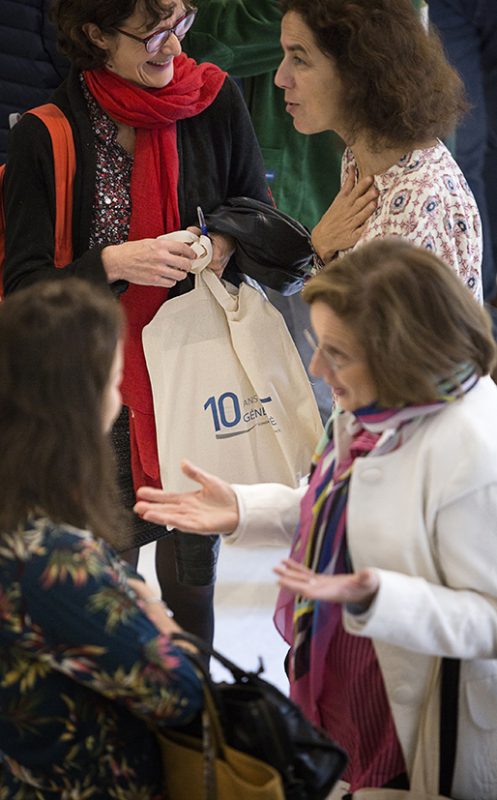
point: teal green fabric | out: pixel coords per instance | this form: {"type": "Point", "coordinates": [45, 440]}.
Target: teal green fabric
{"type": "Point", "coordinates": [240, 36]}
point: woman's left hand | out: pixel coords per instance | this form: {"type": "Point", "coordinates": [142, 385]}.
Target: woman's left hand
{"type": "Point", "coordinates": [223, 247]}
{"type": "Point", "coordinates": [358, 588]}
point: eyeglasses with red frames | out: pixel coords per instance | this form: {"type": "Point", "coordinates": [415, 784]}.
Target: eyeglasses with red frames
{"type": "Point", "coordinates": [154, 42]}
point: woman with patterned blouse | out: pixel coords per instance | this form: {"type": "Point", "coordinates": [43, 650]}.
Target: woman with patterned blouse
{"type": "Point", "coordinates": [369, 71]}
{"type": "Point", "coordinates": [86, 662]}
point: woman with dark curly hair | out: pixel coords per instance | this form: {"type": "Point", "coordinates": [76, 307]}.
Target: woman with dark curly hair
{"type": "Point", "coordinates": [156, 135]}
{"type": "Point", "coordinates": [368, 70]}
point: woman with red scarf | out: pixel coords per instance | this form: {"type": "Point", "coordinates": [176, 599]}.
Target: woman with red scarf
{"type": "Point", "coordinates": [156, 135]}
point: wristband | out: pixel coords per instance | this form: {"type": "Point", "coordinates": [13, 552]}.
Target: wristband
{"type": "Point", "coordinates": [159, 601]}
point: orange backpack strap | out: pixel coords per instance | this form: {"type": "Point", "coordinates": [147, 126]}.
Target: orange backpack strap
{"type": "Point", "coordinates": [64, 155]}
{"type": "Point", "coordinates": [64, 168]}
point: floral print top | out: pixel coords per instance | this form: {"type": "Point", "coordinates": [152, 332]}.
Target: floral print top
{"type": "Point", "coordinates": [425, 198]}
{"type": "Point", "coordinates": [82, 669]}
{"type": "Point", "coordinates": [113, 167]}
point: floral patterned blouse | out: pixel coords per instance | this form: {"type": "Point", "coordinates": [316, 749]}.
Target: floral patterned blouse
{"type": "Point", "coordinates": [111, 213]}
{"type": "Point", "coordinates": [425, 198]}
{"type": "Point", "coordinates": [82, 669]}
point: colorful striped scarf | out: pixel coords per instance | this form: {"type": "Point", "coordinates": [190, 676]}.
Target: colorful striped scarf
{"type": "Point", "coordinates": [321, 542]}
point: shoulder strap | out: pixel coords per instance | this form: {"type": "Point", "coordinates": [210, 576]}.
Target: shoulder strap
{"type": "Point", "coordinates": [2, 227]}
{"type": "Point", "coordinates": [448, 723]}
{"type": "Point", "coordinates": [433, 766]}
{"type": "Point", "coordinates": [64, 169]}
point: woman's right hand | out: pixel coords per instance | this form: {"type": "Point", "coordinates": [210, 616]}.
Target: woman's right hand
{"type": "Point", "coordinates": [212, 509]}
{"type": "Point", "coordinates": [148, 262]}
{"type": "Point", "coordinates": [342, 225]}
{"type": "Point", "coordinates": [353, 588]}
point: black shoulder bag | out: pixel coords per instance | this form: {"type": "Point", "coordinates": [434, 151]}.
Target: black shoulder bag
{"type": "Point", "coordinates": [260, 720]}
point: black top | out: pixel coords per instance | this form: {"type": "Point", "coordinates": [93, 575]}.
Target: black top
{"type": "Point", "coordinates": [218, 158]}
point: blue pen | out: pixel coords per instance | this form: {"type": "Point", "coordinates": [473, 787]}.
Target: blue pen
{"type": "Point", "coordinates": [201, 222]}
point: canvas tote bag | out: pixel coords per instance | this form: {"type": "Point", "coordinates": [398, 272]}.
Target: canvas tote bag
{"type": "Point", "coordinates": [424, 779]}
{"type": "Point", "coordinates": [230, 391]}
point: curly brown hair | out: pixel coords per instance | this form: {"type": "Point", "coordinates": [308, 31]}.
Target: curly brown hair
{"type": "Point", "coordinates": [412, 315]}
{"type": "Point", "coordinates": [70, 17]}
{"type": "Point", "coordinates": [397, 82]}
{"type": "Point", "coordinates": [57, 344]}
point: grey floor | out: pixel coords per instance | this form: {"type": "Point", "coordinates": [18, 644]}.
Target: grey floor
{"type": "Point", "coordinates": [244, 601]}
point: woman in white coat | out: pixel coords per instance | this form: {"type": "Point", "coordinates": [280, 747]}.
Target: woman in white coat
{"type": "Point", "coordinates": [393, 562]}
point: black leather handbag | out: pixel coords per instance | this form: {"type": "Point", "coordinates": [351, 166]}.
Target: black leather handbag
{"type": "Point", "coordinates": [270, 246]}
{"type": "Point", "coordinates": [260, 720]}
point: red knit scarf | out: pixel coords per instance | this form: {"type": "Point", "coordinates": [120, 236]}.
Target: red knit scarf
{"type": "Point", "coordinates": [154, 199]}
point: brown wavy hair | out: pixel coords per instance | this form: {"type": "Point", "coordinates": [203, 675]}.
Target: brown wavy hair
{"type": "Point", "coordinates": [398, 85]}
{"type": "Point", "coordinates": [70, 16]}
{"type": "Point", "coordinates": [57, 345]}
{"type": "Point", "coordinates": [412, 315]}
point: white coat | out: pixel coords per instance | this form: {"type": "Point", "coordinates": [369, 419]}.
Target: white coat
{"type": "Point", "coordinates": [425, 517]}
